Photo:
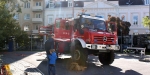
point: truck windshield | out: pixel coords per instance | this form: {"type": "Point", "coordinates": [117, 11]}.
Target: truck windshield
{"type": "Point", "coordinates": [99, 24]}
{"type": "Point", "coordinates": [93, 24]}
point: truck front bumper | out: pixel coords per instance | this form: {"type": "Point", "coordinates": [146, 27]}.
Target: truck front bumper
{"type": "Point", "coordinates": [102, 47]}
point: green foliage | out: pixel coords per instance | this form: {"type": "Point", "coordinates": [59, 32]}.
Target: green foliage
{"type": "Point", "coordinates": [146, 21]}
{"type": "Point", "coordinates": [8, 25]}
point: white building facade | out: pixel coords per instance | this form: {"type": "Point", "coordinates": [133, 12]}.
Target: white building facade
{"type": "Point", "coordinates": [132, 13]}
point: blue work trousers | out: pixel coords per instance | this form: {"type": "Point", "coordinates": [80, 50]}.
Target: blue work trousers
{"type": "Point", "coordinates": [51, 70]}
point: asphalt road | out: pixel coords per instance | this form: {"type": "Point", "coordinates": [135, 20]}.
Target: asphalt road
{"type": "Point", "coordinates": [124, 64]}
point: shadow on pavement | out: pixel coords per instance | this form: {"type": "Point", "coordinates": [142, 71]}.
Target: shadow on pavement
{"type": "Point", "coordinates": [131, 72]}
{"type": "Point", "coordinates": [14, 57]}
{"type": "Point", "coordinates": [94, 68]}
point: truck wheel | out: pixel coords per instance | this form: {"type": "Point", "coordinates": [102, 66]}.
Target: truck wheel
{"type": "Point", "coordinates": [107, 58]}
{"type": "Point", "coordinates": [79, 55]}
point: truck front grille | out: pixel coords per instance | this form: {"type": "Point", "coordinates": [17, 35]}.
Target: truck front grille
{"type": "Point", "coordinates": [103, 39]}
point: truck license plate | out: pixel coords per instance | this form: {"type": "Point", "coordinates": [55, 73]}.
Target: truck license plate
{"type": "Point", "coordinates": [94, 47]}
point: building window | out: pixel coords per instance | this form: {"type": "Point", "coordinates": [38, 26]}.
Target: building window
{"type": "Point", "coordinates": [146, 2]}
{"type": "Point", "coordinates": [38, 15]}
{"type": "Point", "coordinates": [26, 28]}
{"type": "Point", "coordinates": [27, 17]}
{"type": "Point", "coordinates": [16, 16]}
{"type": "Point", "coordinates": [38, 4]}
{"type": "Point", "coordinates": [51, 4]}
{"type": "Point", "coordinates": [70, 4]}
{"type": "Point", "coordinates": [26, 5]}
{"type": "Point", "coordinates": [135, 19]}
{"type": "Point", "coordinates": [36, 27]}
{"type": "Point", "coordinates": [50, 19]}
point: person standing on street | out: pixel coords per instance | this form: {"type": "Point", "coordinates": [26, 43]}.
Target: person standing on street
{"type": "Point", "coordinates": [49, 44]}
{"type": "Point", "coordinates": [52, 60]}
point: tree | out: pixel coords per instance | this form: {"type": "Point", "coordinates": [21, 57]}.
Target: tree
{"type": "Point", "coordinates": [146, 22]}
{"type": "Point", "coordinates": [121, 25]}
{"type": "Point", "coordinates": [8, 25]}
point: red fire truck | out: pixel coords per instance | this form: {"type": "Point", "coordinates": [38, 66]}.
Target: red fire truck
{"type": "Point", "coordinates": [85, 35]}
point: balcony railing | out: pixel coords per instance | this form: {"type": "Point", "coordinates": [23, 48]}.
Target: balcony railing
{"type": "Point", "coordinates": [37, 8]}
{"type": "Point", "coordinates": [34, 31]}
{"type": "Point", "coordinates": [37, 20]}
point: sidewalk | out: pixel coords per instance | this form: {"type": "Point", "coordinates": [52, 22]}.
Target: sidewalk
{"type": "Point", "coordinates": [20, 67]}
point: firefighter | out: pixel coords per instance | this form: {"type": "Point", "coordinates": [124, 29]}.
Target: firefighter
{"type": "Point", "coordinates": [49, 44]}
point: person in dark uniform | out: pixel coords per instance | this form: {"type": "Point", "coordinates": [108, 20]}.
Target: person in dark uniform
{"type": "Point", "coordinates": [49, 44]}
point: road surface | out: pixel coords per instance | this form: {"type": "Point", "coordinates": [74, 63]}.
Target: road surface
{"type": "Point", "coordinates": [34, 62]}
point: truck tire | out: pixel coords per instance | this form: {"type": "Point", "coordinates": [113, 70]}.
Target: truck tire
{"type": "Point", "coordinates": [106, 58]}
{"type": "Point", "coordinates": [79, 54]}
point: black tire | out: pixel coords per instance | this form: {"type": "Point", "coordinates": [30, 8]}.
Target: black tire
{"type": "Point", "coordinates": [79, 55]}
{"type": "Point", "coordinates": [107, 58]}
